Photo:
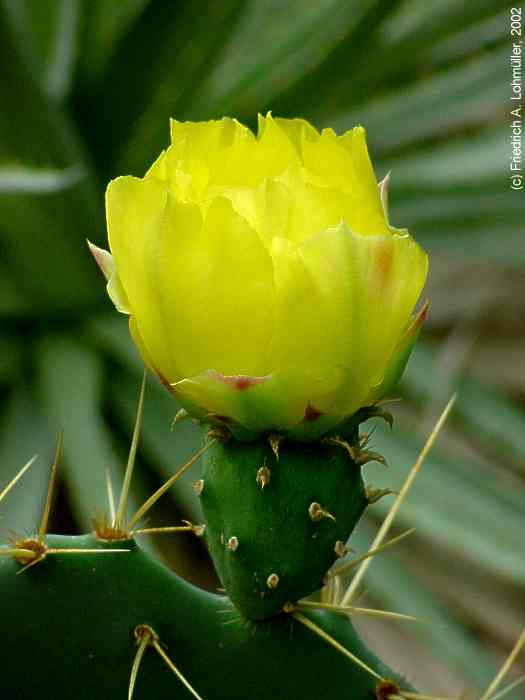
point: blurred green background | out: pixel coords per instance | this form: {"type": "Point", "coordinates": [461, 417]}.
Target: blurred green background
{"type": "Point", "coordinates": [86, 91]}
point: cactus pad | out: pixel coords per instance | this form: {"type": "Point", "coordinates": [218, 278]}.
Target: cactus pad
{"type": "Point", "coordinates": [70, 623]}
{"type": "Point", "coordinates": [277, 518]}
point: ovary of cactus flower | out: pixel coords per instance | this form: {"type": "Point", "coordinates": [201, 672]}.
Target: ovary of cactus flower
{"type": "Point", "coordinates": [264, 283]}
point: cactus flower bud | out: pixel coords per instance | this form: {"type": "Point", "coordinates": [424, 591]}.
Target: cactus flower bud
{"type": "Point", "coordinates": [264, 283]}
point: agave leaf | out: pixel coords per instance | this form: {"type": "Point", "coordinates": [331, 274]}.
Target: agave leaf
{"type": "Point", "coordinates": [402, 36]}
{"type": "Point", "coordinates": [20, 510]}
{"type": "Point", "coordinates": [37, 241]}
{"type": "Point", "coordinates": [110, 334]}
{"type": "Point", "coordinates": [443, 166]}
{"type": "Point", "coordinates": [464, 95]}
{"type": "Point", "coordinates": [487, 416]}
{"type": "Point", "coordinates": [280, 43]}
{"type": "Point", "coordinates": [10, 360]}
{"type": "Point", "coordinates": [165, 450]}
{"type": "Point", "coordinates": [181, 71]}
{"type": "Point", "coordinates": [71, 392]}
{"type": "Point", "coordinates": [48, 35]}
{"type": "Point", "coordinates": [20, 179]}
{"type": "Point", "coordinates": [449, 506]}
{"type": "Point", "coordinates": [104, 25]}
{"type": "Point", "coordinates": [389, 581]}
{"type": "Point", "coordinates": [156, 62]}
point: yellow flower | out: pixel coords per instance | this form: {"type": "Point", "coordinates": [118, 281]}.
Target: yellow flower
{"type": "Point", "coordinates": [264, 283]}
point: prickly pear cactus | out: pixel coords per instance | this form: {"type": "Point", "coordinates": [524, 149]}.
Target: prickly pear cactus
{"type": "Point", "coordinates": [98, 617]}
{"type": "Point", "coordinates": [267, 290]}
{"type": "Point", "coordinates": [78, 621]}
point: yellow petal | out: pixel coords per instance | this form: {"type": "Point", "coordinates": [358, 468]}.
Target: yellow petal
{"type": "Point", "coordinates": [231, 170]}
{"type": "Point", "coordinates": [140, 345]}
{"type": "Point", "coordinates": [298, 131]}
{"type": "Point", "coordinates": [249, 160]}
{"type": "Point", "coordinates": [196, 152]}
{"type": "Point", "coordinates": [343, 163]}
{"type": "Point", "coordinates": [276, 149]}
{"type": "Point", "coordinates": [201, 140]}
{"type": "Point", "coordinates": [217, 289]}
{"type": "Point", "coordinates": [290, 208]}
{"type": "Point", "coordinates": [354, 142]}
{"type": "Point", "coordinates": [400, 355]}
{"type": "Point", "coordinates": [135, 211]}
{"type": "Point", "coordinates": [158, 168]}
{"type": "Point", "coordinates": [311, 209]}
{"type": "Point", "coordinates": [308, 336]}
{"type": "Point", "coordinates": [388, 274]}
{"type": "Point", "coordinates": [347, 298]}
